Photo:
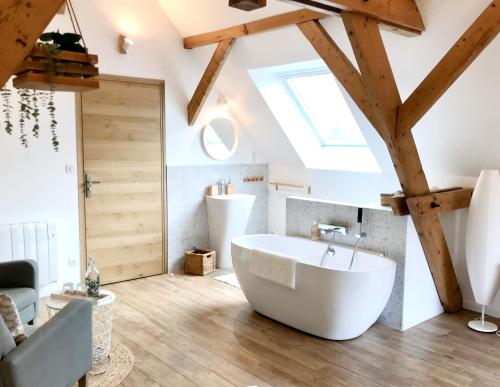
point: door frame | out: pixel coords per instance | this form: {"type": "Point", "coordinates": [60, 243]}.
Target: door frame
{"type": "Point", "coordinates": [81, 175]}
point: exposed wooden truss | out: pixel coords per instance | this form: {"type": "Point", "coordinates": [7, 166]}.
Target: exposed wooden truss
{"type": "Point", "coordinates": [340, 66]}
{"type": "Point", "coordinates": [448, 70]}
{"type": "Point", "coordinates": [21, 23]}
{"type": "Point", "coordinates": [400, 14]}
{"type": "Point", "coordinates": [380, 84]}
{"type": "Point", "coordinates": [208, 79]}
{"type": "Point", "coordinates": [258, 26]}
{"type": "Point", "coordinates": [404, 12]}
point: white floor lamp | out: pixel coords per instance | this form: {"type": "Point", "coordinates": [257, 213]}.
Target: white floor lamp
{"type": "Point", "coordinates": [482, 244]}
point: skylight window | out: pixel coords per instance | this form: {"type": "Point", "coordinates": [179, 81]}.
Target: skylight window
{"type": "Point", "coordinates": [321, 101]}
{"type": "Point", "coordinates": [317, 116]}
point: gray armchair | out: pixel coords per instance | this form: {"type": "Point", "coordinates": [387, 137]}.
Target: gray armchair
{"type": "Point", "coordinates": [19, 280]}
{"type": "Point", "coordinates": [56, 355]}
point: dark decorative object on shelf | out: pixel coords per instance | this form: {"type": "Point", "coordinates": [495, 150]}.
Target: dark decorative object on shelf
{"type": "Point", "coordinates": [247, 5]}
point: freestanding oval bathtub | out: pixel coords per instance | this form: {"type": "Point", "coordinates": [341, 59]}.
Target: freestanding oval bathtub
{"type": "Point", "coordinates": [329, 301]}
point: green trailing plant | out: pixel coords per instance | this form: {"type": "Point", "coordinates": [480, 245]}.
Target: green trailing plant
{"type": "Point", "coordinates": [51, 107]}
{"type": "Point", "coordinates": [30, 101]}
{"type": "Point", "coordinates": [35, 113]}
{"type": "Point", "coordinates": [30, 104]}
{"type": "Point", "coordinates": [7, 109]}
{"type": "Point", "coordinates": [24, 115]}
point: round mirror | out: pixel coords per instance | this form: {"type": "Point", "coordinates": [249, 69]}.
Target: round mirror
{"type": "Point", "coordinates": [220, 138]}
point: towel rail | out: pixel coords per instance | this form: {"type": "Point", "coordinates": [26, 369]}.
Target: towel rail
{"type": "Point", "coordinates": [279, 184]}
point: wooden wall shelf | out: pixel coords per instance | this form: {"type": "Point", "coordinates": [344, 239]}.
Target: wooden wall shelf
{"type": "Point", "coordinates": [64, 71]}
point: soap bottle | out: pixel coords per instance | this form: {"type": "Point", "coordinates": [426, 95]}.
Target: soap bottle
{"type": "Point", "coordinates": [315, 231]}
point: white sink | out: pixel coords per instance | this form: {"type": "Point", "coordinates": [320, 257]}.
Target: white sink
{"type": "Point", "coordinates": [227, 218]}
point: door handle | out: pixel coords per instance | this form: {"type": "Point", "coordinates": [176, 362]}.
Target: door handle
{"type": "Point", "coordinates": [89, 183]}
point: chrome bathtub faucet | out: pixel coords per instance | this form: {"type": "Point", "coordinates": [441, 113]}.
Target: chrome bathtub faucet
{"type": "Point", "coordinates": [326, 229]}
{"type": "Point", "coordinates": [360, 235]}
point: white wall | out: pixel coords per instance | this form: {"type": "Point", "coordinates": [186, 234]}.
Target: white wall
{"type": "Point", "coordinates": [36, 187]}
{"type": "Point", "coordinates": [34, 183]}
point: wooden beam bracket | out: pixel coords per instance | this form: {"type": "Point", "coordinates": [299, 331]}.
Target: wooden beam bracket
{"type": "Point", "coordinates": [208, 80]}
{"type": "Point", "coordinates": [467, 48]}
{"type": "Point", "coordinates": [444, 200]}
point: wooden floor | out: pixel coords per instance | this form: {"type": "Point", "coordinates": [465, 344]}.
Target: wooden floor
{"type": "Point", "coordinates": [187, 331]}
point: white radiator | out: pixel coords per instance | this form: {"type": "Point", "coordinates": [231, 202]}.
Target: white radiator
{"type": "Point", "coordinates": [35, 241]}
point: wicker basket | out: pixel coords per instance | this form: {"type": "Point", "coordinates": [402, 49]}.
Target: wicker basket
{"type": "Point", "coordinates": [200, 262]}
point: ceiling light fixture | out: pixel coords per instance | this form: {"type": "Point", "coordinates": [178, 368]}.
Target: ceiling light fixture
{"type": "Point", "coordinates": [247, 5]}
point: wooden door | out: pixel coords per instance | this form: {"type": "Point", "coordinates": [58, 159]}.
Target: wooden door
{"type": "Point", "coordinates": [122, 152]}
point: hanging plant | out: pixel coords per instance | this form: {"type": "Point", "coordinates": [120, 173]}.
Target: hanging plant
{"type": "Point", "coordinates": [58, 62]}
{"type": "Point", "coordinates": [51, 107]}
{"type": "Point", "coordinates": [7, 110]}
{"type": "Point", "coordinates": [35, 113]}
{"type": "Point", "coordinates": [30, 102]}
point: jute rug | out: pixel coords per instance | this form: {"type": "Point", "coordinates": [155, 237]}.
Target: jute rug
{"type": "Point", "coordinates": [114, 371]}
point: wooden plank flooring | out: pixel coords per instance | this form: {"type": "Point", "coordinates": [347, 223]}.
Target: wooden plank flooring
{"type": "Point", "coordinates": [187, 331]}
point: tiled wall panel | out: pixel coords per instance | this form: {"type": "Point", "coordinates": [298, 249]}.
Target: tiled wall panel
{"type": "Point", "coordinates": [386, 234]}
{"type": "Point", "coordinates": [187, 212]}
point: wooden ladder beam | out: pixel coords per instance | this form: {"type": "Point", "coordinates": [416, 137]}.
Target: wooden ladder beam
{"type": "Point", "coordinates": [208, 80]}
{"type": "Point", "coordinates": [467, 48]}
{"type": "Point", "coordinates": [21, 23]}
{"type": "Point", "coordinates": [400, 14]}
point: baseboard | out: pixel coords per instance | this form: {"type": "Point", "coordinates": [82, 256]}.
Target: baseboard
{"type": "Point", "coordinates": [475, 307]}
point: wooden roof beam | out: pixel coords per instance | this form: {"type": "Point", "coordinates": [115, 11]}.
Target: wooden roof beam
{"type": "Point", "coordinates": [254, 27]}
{"type": "Point", "coordinates": [381, 87]}
{"type": "Point", "coordinates": [21, 23]}
{"type": "Point", "coordinates": [208, 80]}
{"type": "Point", "coordinates": [400, 14]}
{"type": "Point", "coordinates": [467, 48]}
{"type": "Point", "coordinates": [340, 66]}
{"type": "Point", "coordinates": [369, 50]}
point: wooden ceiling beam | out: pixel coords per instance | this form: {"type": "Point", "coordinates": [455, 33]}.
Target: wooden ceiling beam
{"type": "Point", "coordinates": [400, 14]}
{"type": "Point", "coordinates": [254, 27]}
{"type": "Point", "coordinates": [376, 72]}
{"type": "Point", "coordinates": [21, 23]}
{"type": "Point", "coordinates": [368, 47]}
{"type": "Point", "coordinates": [208, 80]}
{"type": "Point", "coordinates": [467, 48]}
{"type": "Point", "coordinates": [340, 66]}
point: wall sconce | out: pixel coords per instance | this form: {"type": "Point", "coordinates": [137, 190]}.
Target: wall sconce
{"type": "Point", "coordinates": [124, 43]}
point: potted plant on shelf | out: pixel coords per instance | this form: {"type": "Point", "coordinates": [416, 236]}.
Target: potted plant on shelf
{"type": "Point", "coordinates": [58, 62]}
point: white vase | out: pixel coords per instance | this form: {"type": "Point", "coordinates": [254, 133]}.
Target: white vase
{"type": "Point", "coordinates": [482, 244]}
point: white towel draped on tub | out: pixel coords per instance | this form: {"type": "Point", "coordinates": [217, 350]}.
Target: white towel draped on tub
{"type": "Point", "coordinates": [273, 267]}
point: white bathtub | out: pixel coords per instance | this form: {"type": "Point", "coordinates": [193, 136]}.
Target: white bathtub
{"type": "Point", "coordinates": [328, 301]}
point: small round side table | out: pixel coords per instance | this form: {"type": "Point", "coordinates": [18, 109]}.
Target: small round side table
{"type": "Point", "coordinates": [102, 323]}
